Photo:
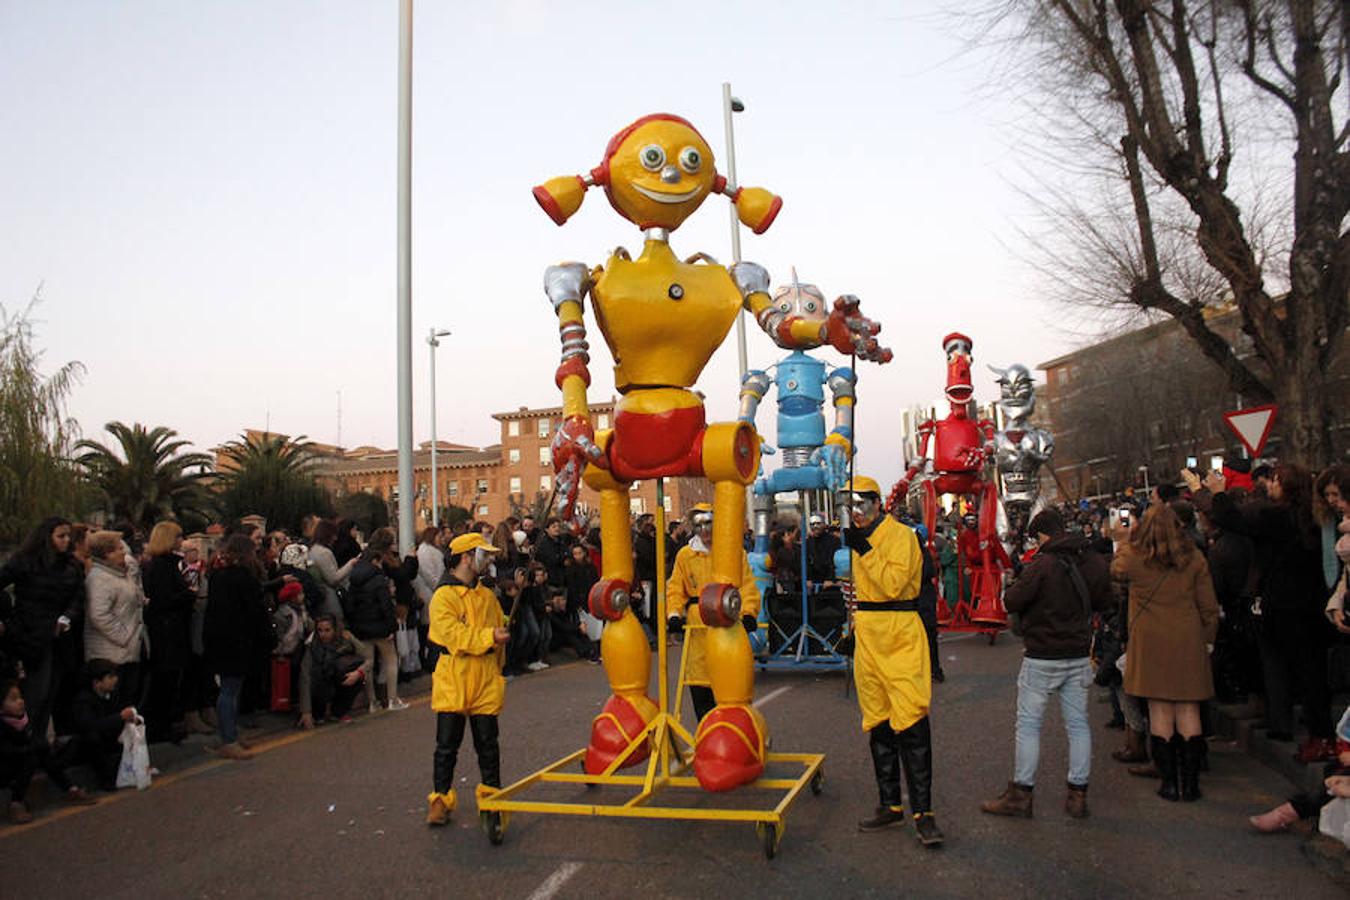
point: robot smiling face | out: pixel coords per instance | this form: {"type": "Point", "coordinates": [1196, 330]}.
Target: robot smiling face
{"type": "Point", "coordinates": [658, 171]}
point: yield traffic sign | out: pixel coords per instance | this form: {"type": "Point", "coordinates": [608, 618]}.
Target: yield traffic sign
{"type": "Point", "coordinates": [1252, 426]}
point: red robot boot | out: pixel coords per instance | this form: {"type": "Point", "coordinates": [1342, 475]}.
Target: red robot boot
{"type": "Point", "coordinates": [730, 744]}
{"type": "Point", "coordinates": [618, 732]}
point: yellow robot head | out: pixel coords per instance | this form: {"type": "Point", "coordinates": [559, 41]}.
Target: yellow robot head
{"type": "Point", "coordinates": [656, 172]}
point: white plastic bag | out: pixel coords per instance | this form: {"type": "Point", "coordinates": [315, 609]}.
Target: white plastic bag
{"type": "Point", "coordinates": [409, 648]}
{"type": "Point", "coordinates": [590, 625]}
{"type": "Point", "coordinates": [1335, 821]}
{"type": "Point", "coordinates": [134, 770]}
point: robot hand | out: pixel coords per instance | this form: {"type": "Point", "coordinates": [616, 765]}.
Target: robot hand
{"type": "Point", "coordinates": [573, 448]}
{"type": "Point", "coordinates": [834, 460]}
{"type": "Point", "coordinates": [895, 501]}
{"type": "Point", "coordinates": [848, 331]}
{"type": "Point", "coordinates": [566, 282]}
{"type": "Point", "coordinates": [750, 278]}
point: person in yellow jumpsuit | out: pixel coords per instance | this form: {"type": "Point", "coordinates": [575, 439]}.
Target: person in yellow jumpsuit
{"type": "Point", "coordinates": [691, 572]}
{"type": "Point", "coordinates": [467, 686]}
{"type": "Point", "coordinates": [891, 666]}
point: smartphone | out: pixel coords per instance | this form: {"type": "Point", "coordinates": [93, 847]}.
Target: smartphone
{"type": "Point", "coordinates": [1124, 518]}
{"type": "Point", "coordinates": [1216, 463]}
{"type": "Point", "coordinates": [1192, 463]}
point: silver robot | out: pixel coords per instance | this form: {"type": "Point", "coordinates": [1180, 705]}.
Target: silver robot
{"type": "Point", "coordinates": [1020, 449]}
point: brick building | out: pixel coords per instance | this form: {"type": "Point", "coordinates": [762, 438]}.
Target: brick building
{"type": "Point", "coordinates": [492, 482]}
{"type": "Point", "coordinates": [1137, 405]}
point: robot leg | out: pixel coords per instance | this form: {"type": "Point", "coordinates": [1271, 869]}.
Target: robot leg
{"type": "Point", "coordinates": [730, 744]}
{"type": "Point", "coordinates": [623, 645]}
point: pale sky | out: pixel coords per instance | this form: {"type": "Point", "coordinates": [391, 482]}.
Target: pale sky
{"type": "Point", "coordinates": [206, 194]}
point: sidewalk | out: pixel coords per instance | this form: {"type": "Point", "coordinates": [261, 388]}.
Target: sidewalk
{"type": "Point", "coordinates": [1244, 724]}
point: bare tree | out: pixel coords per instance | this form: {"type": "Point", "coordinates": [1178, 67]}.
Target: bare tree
{"type": "Point", "coordinates": [1219, 130]}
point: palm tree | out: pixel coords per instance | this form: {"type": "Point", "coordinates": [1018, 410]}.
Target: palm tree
{"type": "Point", "coordinates": [272, 476]}
{"type": "Point", "coordinates": [150, 478]}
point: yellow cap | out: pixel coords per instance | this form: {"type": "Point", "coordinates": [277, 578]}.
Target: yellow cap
{"type": "Point", "coordinates": [471, 541]}
{"type": "Point", "coordinates": [702, 507]}
{"type": "Point", "coordinates": [861, 484]}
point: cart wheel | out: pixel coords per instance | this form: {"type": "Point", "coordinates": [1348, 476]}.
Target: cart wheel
{"type": "Point", "coordinates": [818, 782]}
{"type": "Point", "coordinates": [767, 833]}
{"type": "Point", "coordinates": [491, 823]}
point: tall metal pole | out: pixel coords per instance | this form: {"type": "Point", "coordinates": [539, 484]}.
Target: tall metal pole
{"type": "Point", "coordinates": [405, 425]}
{"type": "Point", "coordinates": [727, 110]}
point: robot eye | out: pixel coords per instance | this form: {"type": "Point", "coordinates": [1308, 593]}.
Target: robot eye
{"type": "Point", "coordinates": [785, 306]}
{"type": "Point", "coordinates": [652, 157]}
{"type": "Point", "coordinates": [690, 160]}
{"type": "Point", "coordinates": [811, 306]}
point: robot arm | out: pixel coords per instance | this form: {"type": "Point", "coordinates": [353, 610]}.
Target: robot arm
{"type": "Point", "coordinates": [574, 443]}
{"type": "Point", "coordinates": [896, 501]}
{"type": "Point", "coordinates": [848, 331]}
{"type": "Point", "coordinates": [838, 448]}
{"type": "Point", "coordinates": [754, 385]}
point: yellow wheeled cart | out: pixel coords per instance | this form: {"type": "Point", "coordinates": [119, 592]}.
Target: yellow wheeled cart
{"type": "Point", "coordinates": [657, 794]}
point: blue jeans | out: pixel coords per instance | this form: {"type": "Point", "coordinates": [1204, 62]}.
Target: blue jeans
{"type": "Point", "coordinates": [1039, 679]}
{"type": "Point", "coordinates": [227, 708]}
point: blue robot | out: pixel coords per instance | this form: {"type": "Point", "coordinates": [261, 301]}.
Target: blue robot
{"type": "Point", "coordinates": [813, 460]}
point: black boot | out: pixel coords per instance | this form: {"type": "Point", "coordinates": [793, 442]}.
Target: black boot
{"type": "Point", "coordinates": [881, 740]}
{"type": "Point", "coordinates": [916, 755]}
{"type": "Point", "coordinates": [1192, 759]}
{"type": "Point", "coordinates": [1165, 759]}
{"type": "Point", "coordinates": [484, 730]}
{"type": "Point", "coordinates": [449, 735]}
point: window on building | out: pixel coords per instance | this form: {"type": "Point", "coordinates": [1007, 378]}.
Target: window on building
{"type": "Point", "coordinates": [545, 457]}
{"type": "Point", "coordinates": [665, 501]}
{"type": "Point", "coordinates": [513, 455]}
{"type": "Point", "coordinates": [453, 489]}
{"type": "Point", "coordinates": [544, 429]}
{"type": "Point", "coordinates": [482, 510]}
{"type": "Point", "coordinates": [513, 428]}
{"type": "Point", "coordinates": [602, 420]}
{"type": "Point", "coordinates": [545, 482]}
{"type": "Point", "coordinates": [482, 485]}
{"type": "Point", "coordinates": [515, 484]}
{"type": "Point", "coordinates": [637, 506]}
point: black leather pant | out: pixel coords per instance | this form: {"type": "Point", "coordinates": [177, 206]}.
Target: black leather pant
{"type": "Point", "coordinates": [450, 734]}
{"type": "Point", "coordinates": [912, 750]}
{"type": "Point", "coordinates": [701, 696]}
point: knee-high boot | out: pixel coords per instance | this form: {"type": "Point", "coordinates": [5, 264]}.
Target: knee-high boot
{"type": "Point", "coordinates": [881, 740]}
{"type": "Point", "coordinates": [916, 755]}
{"type": "Point", "coordinates": [449, 735]}
{"type": "Point", "coordinates": [484, 730]}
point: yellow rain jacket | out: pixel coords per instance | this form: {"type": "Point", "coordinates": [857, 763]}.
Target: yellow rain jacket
{"type": "Point", "coordinates": [468, 677]}
{"type": "Point", "coordinates": [692, 571]}
{"type": "Point", "coordinates": [891, 667]}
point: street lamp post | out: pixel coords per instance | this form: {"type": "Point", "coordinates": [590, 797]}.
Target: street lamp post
{"type": "Point", "coordinates": [1144, 469]}
{"type": "Point", "coordinates": [433, 341]}
{"type": "Point", "coordinates": [731, 105]}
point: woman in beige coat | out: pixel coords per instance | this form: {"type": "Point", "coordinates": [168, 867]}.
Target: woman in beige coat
{"type": "Point", "coordinates": [1173, 618]}
{"type": "Point", "coordinates": [113, 625]}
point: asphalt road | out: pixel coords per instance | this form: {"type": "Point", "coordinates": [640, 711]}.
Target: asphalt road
{"type": "Point", "coordinates": [338, 813]}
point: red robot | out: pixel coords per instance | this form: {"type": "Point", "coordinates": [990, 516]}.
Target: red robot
{"type": "Point", "coordinates": [961, 449]}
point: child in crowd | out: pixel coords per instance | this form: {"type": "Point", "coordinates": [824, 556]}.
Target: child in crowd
{"type": "Point", "coordinates": [23, 752]}
{"type": "Point", "coordinates": [99, 715]}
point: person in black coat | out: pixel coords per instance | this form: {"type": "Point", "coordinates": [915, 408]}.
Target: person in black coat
{"type": "Point", "coordinates": [580, 576]}
{"type": "Point", "coordinates": [1293, 633]}
{"type": "Point", "coordinates": [168, 621]}
{"type": "Point", "coordinates": [23, 752]}
{"type": "Point", "coordinates": [345, 546]}
{"type": "Point", "coordinates": [551, 550]}
{"type": "Point", "coordinates": [371, 616]}
{"type": "Point", "coordinates": [99, 715]}
{"type": "Point", "coordinates": [48, 610]}
{"type": "Point", "coordinates": [236, 631]}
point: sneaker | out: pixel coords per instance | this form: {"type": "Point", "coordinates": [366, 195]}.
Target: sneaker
{"type": "Point", "coordinates": [76, 796]}
{"type": "Point", "coordinates": [398, 703]}
{"type": "Point", "coordinates": [346, 720]}
{"type": "Point", "coordinates": [884, 817]}
{"type": "Point", "coordinates": [542, 664]}
{"type": "Point", "coordinates": [233, 751]}
{"type": "Point", "coordinates": [925, 826]}
{"type": "Point", "coordinates": [535, 666]}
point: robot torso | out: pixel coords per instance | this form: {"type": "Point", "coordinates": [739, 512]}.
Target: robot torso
{"type": "Point", "coordinates": [801, 396]}
{"type": "Point", "coordinates": [663, 319]}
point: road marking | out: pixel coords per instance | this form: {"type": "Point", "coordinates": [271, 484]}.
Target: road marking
{"type": "Point", "coordinates": [772, 695]}
{"type": "Point", "coordinates": [554, 883]}
{"type": "Point", "coordinates": [213, 762]}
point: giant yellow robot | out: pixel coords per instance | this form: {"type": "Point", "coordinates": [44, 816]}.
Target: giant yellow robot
{"type": "Point", "coordinates": [663, 318]}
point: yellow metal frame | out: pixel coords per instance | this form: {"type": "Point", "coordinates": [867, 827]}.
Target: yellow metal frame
{"type": "Point", "coordinates": [670, 758]}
